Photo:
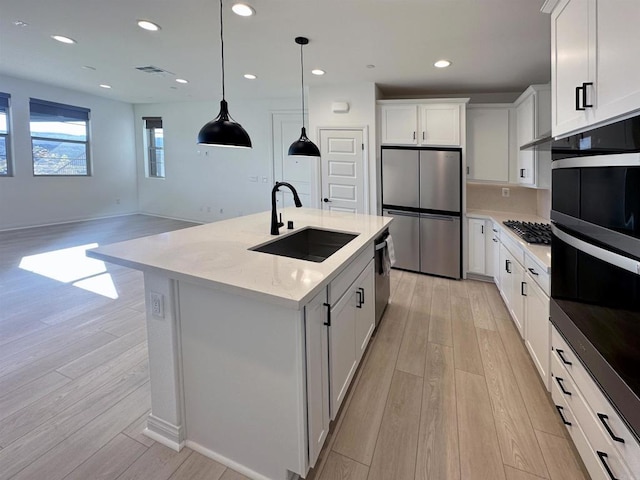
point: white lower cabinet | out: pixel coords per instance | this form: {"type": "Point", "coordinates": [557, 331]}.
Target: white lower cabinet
{"type": "Point", "coordinates": [512, 286]}
{"type": "Point", "coordinates": [476, 246]}
{"type": "Point", "coordinates": [365, 308]}
{"type": "Point", "coordinates": [317, 374]}
{"type": "Point", "coordinates": [351, 322]}
{"type": "Point", "coordinates": [537, 335]}
{"type": "Point", "coordinates": [339, 323]}
{"type": "Point", "coordinates": [495, 253]}
{"type": "Point", "coordinates": [606, 446]}
{"type": "Point", "coordinates": [342, 348]}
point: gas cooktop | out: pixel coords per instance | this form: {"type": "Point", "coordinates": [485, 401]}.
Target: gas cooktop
{"type": "Point", "coordinates": [530, 232]}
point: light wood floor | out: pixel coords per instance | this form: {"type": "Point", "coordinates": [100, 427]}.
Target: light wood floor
{"type": "Point", "coordinates": [446, 390]}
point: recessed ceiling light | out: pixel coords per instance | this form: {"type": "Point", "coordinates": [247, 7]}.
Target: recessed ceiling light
{"type": "Point", "coordinates": [243, 9]}
{"type": "Point", "coordinates": [20, 23]}
{"type": "Point", "coordinates": [104, 85]}
{"type": "Point", "coordinates": [181, 80]}
{"type": "Point", "coordinates": [250, 76]}
{"type": "Point", "coordinates": [88, 67]}
{"type": "Point", "coordinates": [147, 25]}
{"type": "Point", "coordinates": [63, 39]}
{"type": "Point", "coordinates": [371, 65]}
{"type": "Point", "coordinates": [442, 64]}
{"type": "Point", "coordinates": [317, 71]}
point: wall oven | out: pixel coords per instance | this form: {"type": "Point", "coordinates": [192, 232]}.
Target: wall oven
{"type": "Point", "coordinates": [595, 257]}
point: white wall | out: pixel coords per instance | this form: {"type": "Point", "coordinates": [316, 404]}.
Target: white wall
{"type": "Point", "coordinates": [362, 113]}
{"type": "Point", "coordinates": [209, 183]}
{"type": "Point", "coordinates": [27, 200]}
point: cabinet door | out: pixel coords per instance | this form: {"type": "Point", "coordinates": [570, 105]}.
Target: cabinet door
{"type": "Point", "coordinates": [488, 144]}
{"type": "Point", "coordinates": [440, 124]}
{"type": "Point", "coordinates": [317, 374]}
{"type": "Point", "coordinates": [476, 246]}
{"type": "Point", "coordinates": [537, 336]}
{"type": "Point", "coordinates": [496, 254]}
{"type": "Point", "coordinates": [526, 128]}
{"type": "Point", "coordinates": [504, 275]}
{"type": "Point", "coordinates": [342, 348]}
{"type": "Point", "coordinates": [365, 309]}
{"type": "Point", "coordinates": [572, 63]}
{"type": "Point", "coordinates": [618, 41]}
{"type": "Point", "coordinates": [517, 296]}
{"type": "Point", "coordinates": [399, 124]}
{"type": "Point", "coordinates": [488, 249]}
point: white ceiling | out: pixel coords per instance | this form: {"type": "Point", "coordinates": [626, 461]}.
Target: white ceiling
{"type": "Point", "coordinates": [495, 46]}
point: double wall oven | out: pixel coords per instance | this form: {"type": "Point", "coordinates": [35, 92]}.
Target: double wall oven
{"type": "Point", "coordinates": [595, 260]}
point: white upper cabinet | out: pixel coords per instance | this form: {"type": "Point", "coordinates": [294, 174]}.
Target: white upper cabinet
{"type": "Point", "coordinates": [533, 120]}
{"type": "Point", "coordinates": [399, 124]}
{"type": "Point", "coordinates": [594, 76]}
{"type": "Point", "coordinates": [488, 142]}
{"type": "Point", "coordinates": [439, 124]}
{"type": "Point", "coordinates": [572, 68]}
{"type": "Point", "coordinates": [422, 122]}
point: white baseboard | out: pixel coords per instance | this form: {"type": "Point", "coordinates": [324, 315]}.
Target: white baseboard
{"type": "Point", "coordinates": [165, 433]}
{"type": "Point", "coordinates": [247, 472]}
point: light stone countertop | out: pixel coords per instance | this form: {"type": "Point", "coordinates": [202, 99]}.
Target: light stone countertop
{"type": "Point", "coordinates": [216, 255]}
{"type": "Point", "coordinates": [540, 253]}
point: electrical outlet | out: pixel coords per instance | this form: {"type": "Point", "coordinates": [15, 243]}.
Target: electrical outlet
{"type": "Point", "coordinates": [157, 304]}
{"type": "Point", "coordinates": [505, 192]}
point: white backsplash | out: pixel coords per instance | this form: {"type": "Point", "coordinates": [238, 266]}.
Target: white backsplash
{"type": "Point", "coordinates": [520, 199]}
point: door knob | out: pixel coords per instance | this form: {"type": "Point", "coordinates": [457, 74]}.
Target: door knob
{"type": "Point", "coordinates": [326, 200]}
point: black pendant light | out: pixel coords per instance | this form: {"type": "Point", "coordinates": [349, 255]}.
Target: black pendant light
{"type": "Point", "coordinates": [223, 131]}
{"type": "Point", "coordinates": [303, 147]}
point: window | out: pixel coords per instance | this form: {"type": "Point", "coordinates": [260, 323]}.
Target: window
{"type": "Point", "coordinates": [5, 147]}
{"type": "Point", "coordinates": [154, 146]}
{"type": "Point", "coordinates": [59, 139]}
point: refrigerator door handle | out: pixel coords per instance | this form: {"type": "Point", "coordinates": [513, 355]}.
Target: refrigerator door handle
{"type": "Point", "coordinates": [435, 216]}
{"type": "Point", "coordinates": [403, 213]}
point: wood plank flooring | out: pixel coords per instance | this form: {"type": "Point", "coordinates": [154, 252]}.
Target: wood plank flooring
{"type": "Point", "coordinates": [446, 390]}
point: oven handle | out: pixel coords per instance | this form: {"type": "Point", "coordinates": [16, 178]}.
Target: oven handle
{"type": "Point", "coordinates": [616, 160]}
{"type": "Point", "coordinates": [611, 258]}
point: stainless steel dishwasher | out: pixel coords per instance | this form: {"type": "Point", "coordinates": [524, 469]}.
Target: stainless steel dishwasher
{"type": "Point", "coordinates": [383, 286]}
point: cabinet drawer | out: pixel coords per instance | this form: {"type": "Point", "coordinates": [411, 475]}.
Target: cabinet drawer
{"type": "Point", "coordinates": [595, 449]}
{"type": "Point", "coordinates": [514, 248]}
{"type": "Point", "coordinates": [601, 413]}
{"type": "Point", "coordinates": [348, 275]}
{"type": "Point", "coordinates": [539, 274]}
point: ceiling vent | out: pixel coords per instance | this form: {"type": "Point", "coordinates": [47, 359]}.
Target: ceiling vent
{"type": "Point", "coordinates": [154, 70]}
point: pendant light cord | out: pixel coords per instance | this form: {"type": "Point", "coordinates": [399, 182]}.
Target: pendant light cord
{"type": "Point", "coordinates": [302, 75]}
{"type": "Point", "coordinates": [222, 48]}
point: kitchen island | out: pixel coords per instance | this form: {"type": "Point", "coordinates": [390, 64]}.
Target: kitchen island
{"type": "Point", "coordinates": [251, 354]}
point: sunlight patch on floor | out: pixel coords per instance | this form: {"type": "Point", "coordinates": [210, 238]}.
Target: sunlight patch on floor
{"type": "Point", "coordinates": [71, 265]}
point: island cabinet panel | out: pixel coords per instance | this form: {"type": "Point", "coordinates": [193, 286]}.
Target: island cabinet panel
{"type": "Point", "coordinates": [243, 364]}
{"type": "Point", "coordinates": [317, 374]}
{"type": "Point", "coordinates": [365, 308]}
{"type": "Point", "coordinates": [342, 348]}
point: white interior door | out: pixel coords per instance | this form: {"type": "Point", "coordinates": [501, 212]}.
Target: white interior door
{"type": "Point", "coordinates": [343, 170]}
{"type": "Point", "coordinates": [298, 171]}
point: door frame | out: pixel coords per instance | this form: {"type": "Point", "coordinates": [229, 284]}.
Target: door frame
{"type": "Point", "coordinates": [365, 160]}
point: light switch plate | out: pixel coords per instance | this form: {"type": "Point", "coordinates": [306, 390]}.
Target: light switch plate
{"type": "Point", "coordinates": [156, 302]}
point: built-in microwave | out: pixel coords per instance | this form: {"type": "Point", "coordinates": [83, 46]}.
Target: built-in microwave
{"type": "Point", "coordinates": [595, 257]}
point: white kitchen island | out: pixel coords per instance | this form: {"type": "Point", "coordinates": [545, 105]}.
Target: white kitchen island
{"type": "Point", "coordinates": [250, 353]}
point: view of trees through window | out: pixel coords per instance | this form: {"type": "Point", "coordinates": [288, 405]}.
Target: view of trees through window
{"type": "Point", "coordinates": [155, 146]}
{"type": "Point", "coordinates": [59, 139]}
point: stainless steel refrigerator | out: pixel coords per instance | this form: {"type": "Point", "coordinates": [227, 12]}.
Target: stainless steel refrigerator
{"type": "Point", "coordinates": [421, 189]}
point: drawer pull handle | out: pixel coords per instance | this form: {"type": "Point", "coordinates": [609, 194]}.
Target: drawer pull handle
{"type": "Point", "coordinates": [328, 322]}
{"type": "Point", "coordinates": [578, 90]}
{"type": "Point", "coordinates": [564, 360]}
{"type": "Point", "coordinates": [522, 285]}
{"type": "Point", "coordinates": [533, 272]}
{"type": "Point", "coordinates": [559, 408]}
{"type": "Point", "coordinates": [495, 240]}
{"type": "Point", "coordinates": [603, 418]}
{"type": "Point", "coordinates": [359, 301]}
{"type": "Point", "coordinates": [603, 459]}
{"type": "Point", "coordinates": [584, 94]}
{"type": "Point", "coordinates": [507, 265]}
{"type": "Point", "coordinates": [362, 290]}
{"type": "Point", "coordinates": [561, 385]}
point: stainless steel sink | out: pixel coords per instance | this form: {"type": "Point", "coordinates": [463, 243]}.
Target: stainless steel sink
{"type": "Point", "coordinates": [312, 244]}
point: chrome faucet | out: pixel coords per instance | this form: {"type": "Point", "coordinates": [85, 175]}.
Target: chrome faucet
{"type": "Point", "coordinates": [275, 224]}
